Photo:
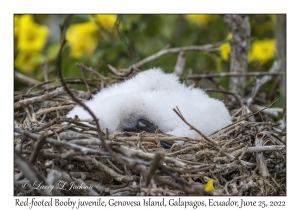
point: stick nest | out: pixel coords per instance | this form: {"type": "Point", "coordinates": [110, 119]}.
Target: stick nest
{"type": "Point", "coordinates": [246, 158]}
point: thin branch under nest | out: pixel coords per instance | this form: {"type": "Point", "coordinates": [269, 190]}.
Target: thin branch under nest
{"type": "Point", "coordinates": [246, 158]}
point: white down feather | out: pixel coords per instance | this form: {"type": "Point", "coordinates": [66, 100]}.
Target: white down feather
{"type": "Point", "coordinates": [152, 95]}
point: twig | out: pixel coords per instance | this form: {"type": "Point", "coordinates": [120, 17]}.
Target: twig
{"type": "Point", "coordinates": [231, 74]}
{"type": "Point", "coordinates": [177, 111]}
{"type": "Point", "coordinates": [245, 117]}
{"type": "Point", "coordinates": [257, 149]}
{"type": "Point", "coordinates": [46, 84]}
{"type": "Point", "coordinates": [51, 109]}
{"type": "Point", "coordinates": [273, 112]}
{"type": "Point", "coordinates": [243, 152]}
{"type": "Point", "coordinates": [117, 72]}
{"type": "Point", "coordinates": [153, 167]}
{"type": "Point", "coordinates": [118, 177]}
{"type": "Point", "coordinates": [205, 48]}
{"type": "Point", "coordinates": [274, 69]}
{"type": "Point", "coordinates": [154, 138]}
{"type": "Point", "coordinates": [36, 99]}
{"type": "Point", "coordinates": [25, 79]}
{"type": "Point", "coordinates": [45, 72]}
{"type": "Point", "coordinates": [261, 162]}
{"type": "Point", "coordinates": [184, 150]}
{"type": "Point", "coordinates": [265, 148]}
{"type": "Point", "coordinates": [180, 63]}
{"type": "Point", "coordinates": [90, 69]}
{"type": "Point", "coordinates": [114, 166]}
{"type": "Point", "coordinates": [85, 82]}
{"type": "Point", "coordinates": [237, 96]}
{"type": "Point", "coordinates": [37, 147]}
{"type": "Point", "coordinates": [189, 170]}
{"type": "Point", "coordinates": [150, 156]}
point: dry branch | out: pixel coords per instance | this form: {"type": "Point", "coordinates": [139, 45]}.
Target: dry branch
{"type": "Point", "coordinates": [36, 99]}
{"type": "Point", "coordinates": [203, 48]}
{"type": "Point", "coordinates": [179, 67]}
{"type": "Point", "coordinates": [276, 67]}
{"type": "Point", "coordinates": [22, 78]}
{"type": "Point", "coordinates": [231, 74]}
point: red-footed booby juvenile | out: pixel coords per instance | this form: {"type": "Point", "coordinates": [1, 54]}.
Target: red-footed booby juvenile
{"type": "Point", "coordinates": [146, 101]}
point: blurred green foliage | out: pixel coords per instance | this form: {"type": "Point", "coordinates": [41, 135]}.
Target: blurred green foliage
{"type": "Point", "coordinates": [122, 40]}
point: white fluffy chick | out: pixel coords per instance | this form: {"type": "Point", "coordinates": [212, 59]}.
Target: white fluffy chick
{"type": "Point", "coordinates": [151, 96]}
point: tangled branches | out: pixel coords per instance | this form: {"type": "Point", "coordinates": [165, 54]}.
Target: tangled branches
{"type": "Point", "coordinates": [246, 158]}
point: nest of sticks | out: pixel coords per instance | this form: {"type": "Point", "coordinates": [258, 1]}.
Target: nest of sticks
{"type": "Point", "coordinates": [247, 158]}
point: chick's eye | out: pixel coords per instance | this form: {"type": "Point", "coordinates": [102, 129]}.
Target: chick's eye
{"type": "Point", "coordinates": [142, 123]}
{"type": "Point", "coordinates": [139, 125]}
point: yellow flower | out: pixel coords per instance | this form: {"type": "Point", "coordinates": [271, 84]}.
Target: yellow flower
{"type": "Point", "coordinates": [26, 61]}
{"type": "Point", "coordinates": [31, 39]}
{"type": "Point", "coordinates": [105, 21]}
{"type": "Point", "coordinates": [31, 36]}
{"type": "Point", "coordinates": [225, 48]}
{"type": "Point", "coordinates": [201, 20]}
{"type": "Point", "coordinates": [209, 187]}
{"type": "Point", "coordinates": [82, 38]}
{"type": "Point", "coordinates": [262, 50]}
